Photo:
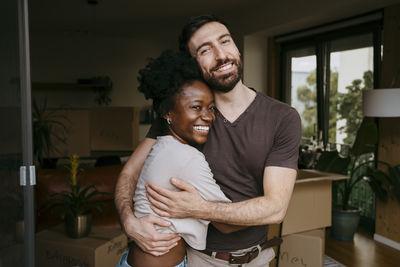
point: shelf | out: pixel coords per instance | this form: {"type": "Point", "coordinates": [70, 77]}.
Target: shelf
{"type": "Point", "coordinates": [60, 86]}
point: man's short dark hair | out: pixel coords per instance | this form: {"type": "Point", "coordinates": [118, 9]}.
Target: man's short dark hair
{"type": "Point", "coordinates": [191, 26]}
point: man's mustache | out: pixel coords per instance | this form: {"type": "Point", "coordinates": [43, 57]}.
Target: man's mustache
{"type": "Point", "coordinates": [223, 62]}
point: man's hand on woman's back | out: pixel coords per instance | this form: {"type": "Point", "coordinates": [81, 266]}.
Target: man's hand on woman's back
{"type": "Point", "coordinates": [142, 231]}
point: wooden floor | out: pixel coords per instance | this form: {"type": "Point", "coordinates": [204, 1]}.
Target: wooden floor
{"type": "Point", "coordinates": [363, 251]}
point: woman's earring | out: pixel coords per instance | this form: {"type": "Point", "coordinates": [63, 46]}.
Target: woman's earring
{"type": "Point", "coordinates": [169, 121]}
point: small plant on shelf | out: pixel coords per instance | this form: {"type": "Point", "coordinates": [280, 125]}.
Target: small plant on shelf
{"type": "Point", "coordinates": [102, 86]}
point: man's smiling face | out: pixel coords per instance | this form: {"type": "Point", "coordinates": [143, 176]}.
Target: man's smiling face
{"type": "Point", "coordinates": [217, 55]}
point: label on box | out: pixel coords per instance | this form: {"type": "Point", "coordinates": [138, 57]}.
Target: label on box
{"type": "Point", "coordinates": [303, 249]}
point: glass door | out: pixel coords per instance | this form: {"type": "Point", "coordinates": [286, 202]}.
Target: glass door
{"type": "Point", "coordinates": [16, 205]}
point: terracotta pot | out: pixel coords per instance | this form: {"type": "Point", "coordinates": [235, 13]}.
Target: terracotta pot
{"type": "Point", "coordinates": [78, 226]}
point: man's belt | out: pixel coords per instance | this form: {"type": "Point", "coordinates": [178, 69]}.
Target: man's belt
{"type": "Point", "coordinates": [246, 257]}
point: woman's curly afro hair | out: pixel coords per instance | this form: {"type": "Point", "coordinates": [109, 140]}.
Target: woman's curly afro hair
{"type": "Point", "coordinates": [163, 78]}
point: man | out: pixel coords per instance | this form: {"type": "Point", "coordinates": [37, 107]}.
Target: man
{"type": "Point", "coordinates": [252, 150]}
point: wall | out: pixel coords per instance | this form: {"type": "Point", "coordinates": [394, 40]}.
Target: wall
{"type": "Point", "coordinates": [64, 57]}
{"type": "Point", "coordinates": [387, 214]}
{"type": "Point", "coordinates": [255, 59]}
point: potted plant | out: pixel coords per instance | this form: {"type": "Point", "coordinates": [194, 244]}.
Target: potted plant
{"type": "Point", "coordinates": [44, 121]}
{"type": "Point", "coordinates": [102, 86]}
{"type": "Point", "coordinates": [76, 204]}
{"type": "Point", "coordinates": [383, 178]}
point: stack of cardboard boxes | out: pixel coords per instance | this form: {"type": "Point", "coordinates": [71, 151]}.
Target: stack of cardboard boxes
{"type": "Point", "coordinates": [308, 214]}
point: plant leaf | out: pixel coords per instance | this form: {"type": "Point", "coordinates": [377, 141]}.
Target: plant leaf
{"type": "Point", "coordinates": [376, 180]}
{"type": "Point", "coordinates": [366, 138]}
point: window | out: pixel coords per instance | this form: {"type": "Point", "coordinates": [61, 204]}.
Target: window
{"type": "Point", "coordinates": [323, 77]}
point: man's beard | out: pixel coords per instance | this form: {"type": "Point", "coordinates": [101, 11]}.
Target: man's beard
{"type": "Point", "coordinates": [226, 82]}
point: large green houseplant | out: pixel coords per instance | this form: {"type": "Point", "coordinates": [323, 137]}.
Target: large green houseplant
{"type": "Point", "coordinates": [383, 178]}
{"type": "Point", "coordinates": [77, 203]}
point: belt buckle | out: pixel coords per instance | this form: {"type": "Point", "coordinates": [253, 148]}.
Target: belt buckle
{"type": "Point", "coordinates": [245, 257]}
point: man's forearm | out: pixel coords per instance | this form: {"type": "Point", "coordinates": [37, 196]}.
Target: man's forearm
{"type": "Point", "coordinates": [268, 209]}
{"type": "Point", "coordinates": [256, 211]}
{"type": "Point", "coordinates": [127, 180]}
{"type": "Point", "coordinates": [124, 191]}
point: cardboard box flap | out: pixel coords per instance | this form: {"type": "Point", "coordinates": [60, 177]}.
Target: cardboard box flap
{"type": "Point", "coordinates": [309, 208]}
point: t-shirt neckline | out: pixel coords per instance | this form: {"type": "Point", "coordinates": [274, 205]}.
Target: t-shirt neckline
{"type": "Point", "coordinates": [226, 121]}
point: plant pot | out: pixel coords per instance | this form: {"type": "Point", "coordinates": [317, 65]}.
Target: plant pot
{"type": "Point", "coordinates": [344, 223]}
{"type": "Point", "coordinates": [78, 226]}
{"type": "Point", "coordinates": [19, 231]}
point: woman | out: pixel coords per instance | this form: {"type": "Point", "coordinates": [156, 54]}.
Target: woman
{"type": "Point", "coordinates": [180, 96]}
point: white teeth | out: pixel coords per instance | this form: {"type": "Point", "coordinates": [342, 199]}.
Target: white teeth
{"type": "Point", "coordinates": [225, 67]}
{"type": "Point", "coordinates": [202, 128]}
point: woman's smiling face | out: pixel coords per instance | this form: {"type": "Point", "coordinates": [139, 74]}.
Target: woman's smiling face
{"type": "Point", "coordinates": [193, 113]}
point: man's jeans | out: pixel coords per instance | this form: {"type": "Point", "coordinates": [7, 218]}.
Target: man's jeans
{"type": "Point", "coordinates": [123, 263]}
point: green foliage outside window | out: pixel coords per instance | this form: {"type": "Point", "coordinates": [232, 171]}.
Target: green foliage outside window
{"type": "Point", "coordinates": [350, 105]}
{"type": "Point", "coordinates": [346, 106]}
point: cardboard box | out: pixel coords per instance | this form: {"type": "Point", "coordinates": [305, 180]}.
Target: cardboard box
{"type": "Point", "coordinates": [77, 135]}
{"type": "Point", "coordinates": [102, 248]}
{"type": "Point", "coordinates": [114, 128]}
{"type": "Point", "coordinates": [310, 207]}
{"type": "Point", "coordinates": [303, 249]}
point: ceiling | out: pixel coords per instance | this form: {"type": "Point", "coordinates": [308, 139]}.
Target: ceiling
{"type": "Point", "coordinates": [160, 17]}
{"type": "Point", "coordinates": [125, 15]}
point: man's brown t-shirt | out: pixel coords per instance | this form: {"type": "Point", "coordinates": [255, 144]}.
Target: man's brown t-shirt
{"type": "Point", "coordinates": [267, 133]}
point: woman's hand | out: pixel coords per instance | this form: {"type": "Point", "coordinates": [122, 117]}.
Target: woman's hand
{"type": "Point", "coordinates": [173, 204]}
